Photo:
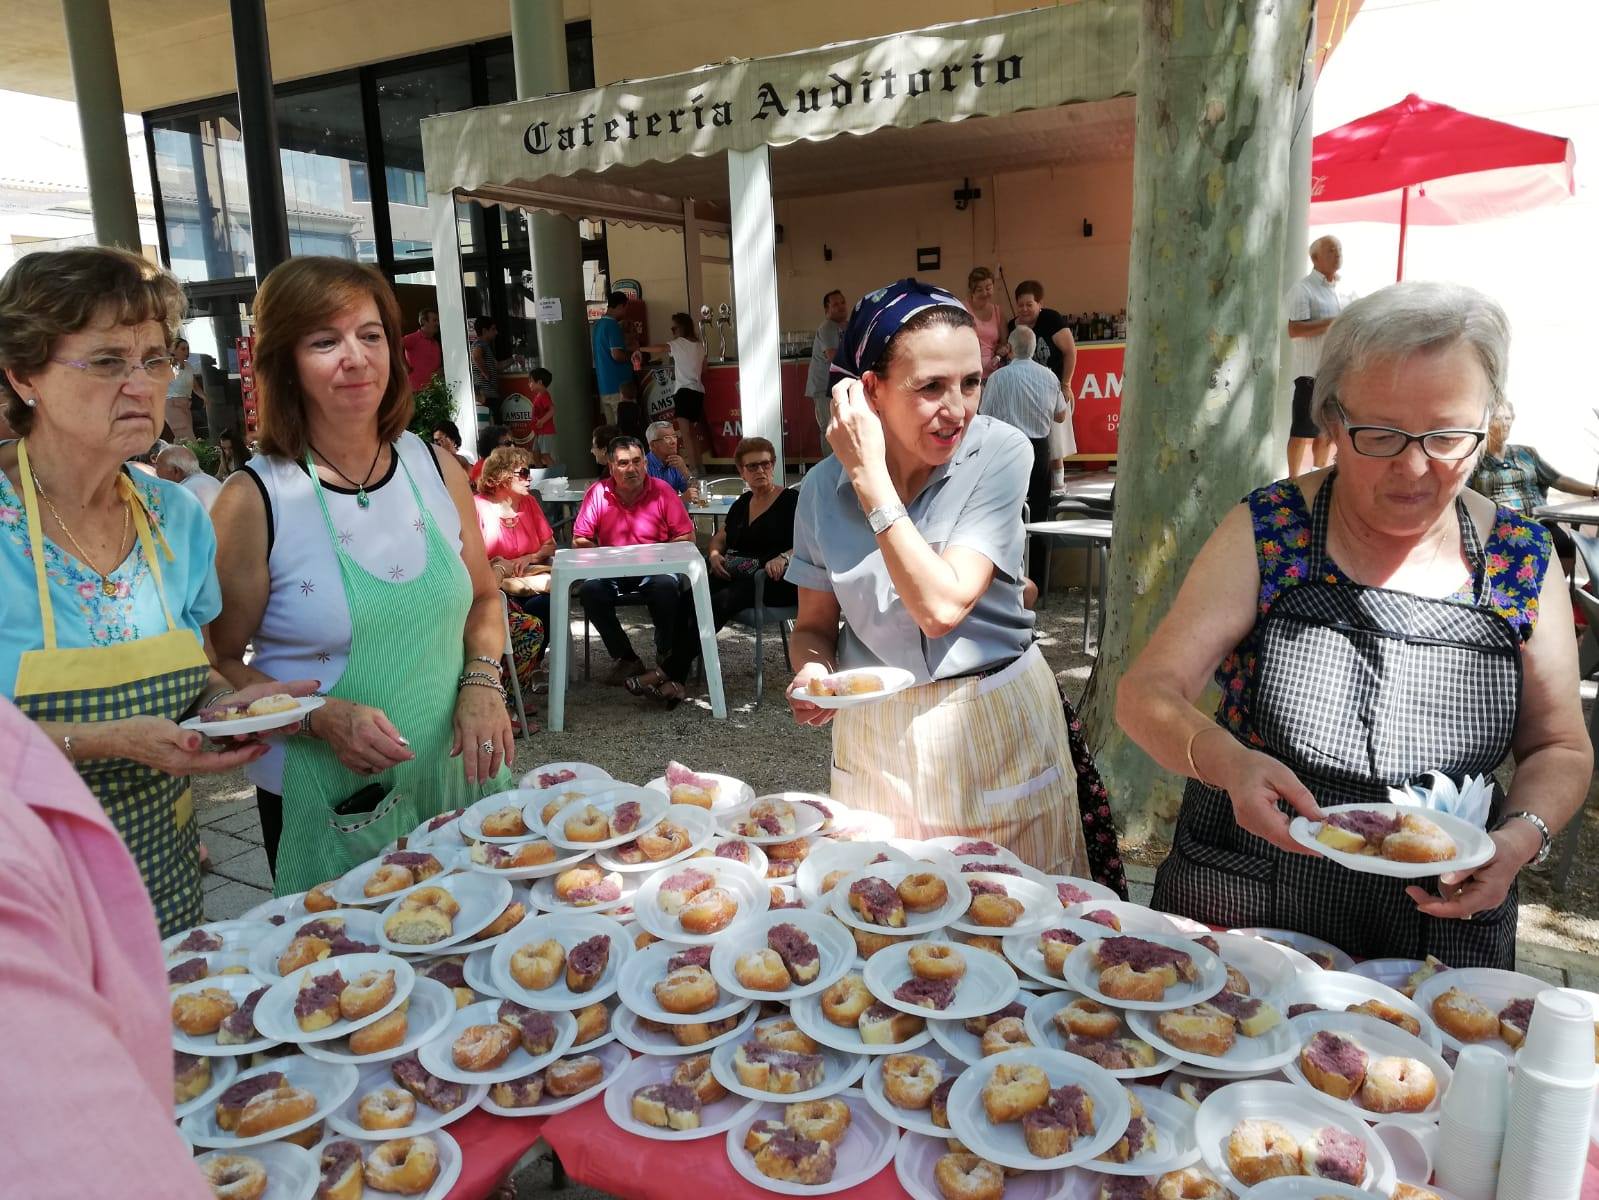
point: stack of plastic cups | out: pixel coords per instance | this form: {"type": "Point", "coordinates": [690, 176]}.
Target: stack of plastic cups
{"type": "Point", "coordinates": [1471, 1124]}
{"type": "Point", "coordinates": [1551, 1102]}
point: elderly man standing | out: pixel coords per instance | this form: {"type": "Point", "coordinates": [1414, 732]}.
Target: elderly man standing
{"type": "Point", "coordinates": [629, 507]}
{"type": "Point", "coordinates": [663, 461]}
{"type": "Point", "coordinates": [1027, 394]}
{"type": "Point", "coordinates": [179, 464]}
{"type": "Point", "coordinates": [818, 386]}
{"type": "Point", "coordinates": [1313, 302]}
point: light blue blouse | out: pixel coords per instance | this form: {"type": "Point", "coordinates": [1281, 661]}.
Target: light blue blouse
{"type": "Point", "coordinates": [84, 616]}
{"type": "Point", "coordinates": [975, 500]}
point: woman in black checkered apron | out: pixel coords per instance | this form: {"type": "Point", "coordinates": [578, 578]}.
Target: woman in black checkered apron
{"type": "Point", "coordinates": [1392, 624]}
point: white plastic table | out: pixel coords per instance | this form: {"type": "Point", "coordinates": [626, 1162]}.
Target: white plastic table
{"type": "Point", "coordinates": [1092, 533]}
{"type": "Point", "coordinates": [1577, 512]}
{"type": "Point", "coordinates": [613, 562]}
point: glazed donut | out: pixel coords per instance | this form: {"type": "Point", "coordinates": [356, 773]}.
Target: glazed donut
{"type": "Point", "coordinates": [783, 1034]}
{"type": "Point", "coordinates": [665, 840]}
{"type": "Point", "coordinates": [235, 1177]}
{"type": "Point", "coordinates": [510, 917]}
{"type": "Point", "coordinates": [710, 912]}
{"type": "Point", "coordinates": [1418, 840]}
{"type": "Point", "coordinates": [881, 1025]}
{"type": "Point", "coordinates": [483, 1047]}
{"type": "Point", "coordinates": [302, 952]}
{"type": "Point", "coordinates": [868, 943]}
{"type": "Point", "coordinates": [365, 994]}
{"type": "Point", "coordinates": [909, 1080]}
{"type": "Point", "coordinates": [1464, 1017]}
{"type": "Point", "coordinates": [407, 1166]}
{"type": "Point", "coordinates": [317, 899]}
{"type": "Point", "coordinates": [1191, 1183]}
{"type": "Point", "coordinates": [986, 942]}
{"type": "Point", "coordinates": [432, 897]}
{"type": "Point", "coordinates": [573, 1075]}
{"type": "Point", "coordinates": [1013, 1091]}
{"type": "Point", "coordinates": [1198, 1032]}
{"type": "Point", "coordinates": [687, 990]}
{"type": "Point", "coordinates": [388, 879]}
{"type": "Point", "coordinates": [386, 1108]}
{"type": "Point", "coordinates": [1259, 1150]}
{"type": "Point", "coordinates": [588, 824]}
{"type": "Point", "coordinates": [537, 967]}
{"type": "Point", "coordinates": [592, 1022]}
{"type": "Point", "coordinates": [274, 1109]}
{"type": "Point", "coordinates": [819, 1120]}
{"type": "Point", "coordinates": [1008, 1033]}
{"type": "Point", "coordinates": [1089, 1018]}
{"type": "Point", "coordinates": [505, 822]}
{"type": "Point", "coordinates": [1398, 1085]}
{"type": "Point", "coordinates": [796, 1160]}
{"type": "Point", "coordinates": [967, 1177]}
{"type": "Point", "coordinates": [1122, 981]}
{"type": "Point", "coordinates": [200, 1013]}
{"type": "Point", "coordinates": [922, 892]}
{"type": "Point", "coordinates": [936, 960]}
{"type": "Point", "coordinates": [761, 971]}
{"type": "Point", "coordinates": [844, 1002]}
{"type": "Point", "coordinates": [830, 881]}
{"type": "Point", "coordinates": [383, 1034]}
{"type": "Point", "coordinates": [1387, 1012]}
{"type": "Point", "coordinates": [417, 926]}
{"type": "Point", "coordinates": [995, 911]}
{"type": "Point", "coordinates": [695, 1073]}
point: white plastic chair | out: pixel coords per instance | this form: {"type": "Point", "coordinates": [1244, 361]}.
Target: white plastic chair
{"type": "Point", "coordinates": [758, 618]}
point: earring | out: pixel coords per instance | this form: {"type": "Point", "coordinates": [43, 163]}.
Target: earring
{"type": "Point", "coordinates": [32, 402]}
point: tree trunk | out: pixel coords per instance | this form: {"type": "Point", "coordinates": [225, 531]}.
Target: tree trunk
{"type": "Point", "coordinates": [1211, 189]}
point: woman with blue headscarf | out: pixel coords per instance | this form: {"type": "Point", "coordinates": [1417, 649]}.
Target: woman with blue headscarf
{"type": "Point", "coordinates": [908, 553]}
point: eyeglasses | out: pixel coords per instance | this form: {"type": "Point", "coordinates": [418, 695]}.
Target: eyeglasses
{"type": "Point", "coordinates": [766, 464]}
{"type": "Point", "coordinates": [162, 368]}
{"type": "Point", "coordinates": [1384, 441]}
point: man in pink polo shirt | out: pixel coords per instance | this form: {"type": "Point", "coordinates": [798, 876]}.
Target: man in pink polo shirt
{"type": "Point", "coordinates": [630, 508]}
{"type": "Point", "coordinates": [424, 356]}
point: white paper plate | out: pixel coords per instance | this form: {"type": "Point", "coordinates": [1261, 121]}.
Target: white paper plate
{"type": "Point", "coordinates": [482, 899]}
{"type": "Point", "coordinates": [1041, 1027]}
{"type": "Point", "coordinates": [1378, 1039]}
{"type": "Point", "coordinates": [1336, 991]}
{"type": "Point", "coordinates": [1040, 910]}
{"type": "Point", "coordinates": [277, 720]}
{"type": "Point", "coordinates": [1175, 1147]}
{"type": "Point", "coordinates": [360, 925]}
{"type": "Point", "coordinates": [1312, 948]}
{"type": "Point", "coordinates": [647, 967]}
{"type": "Point", "coordinates": [863, 825]}
{"type": "Point", "coordinates": [1081, 975]}
{"type": "Point", "coordinates": [988, 983]}
{"type": "Point", "coordinates": [715, 1118]}
{"type": "Point", "coordinates": [1473, 846]}
{"type": "Point", "coordinates": [347, 889]}
{"type": "Point", "coordinates": [1022, 952]}
{"type": "Point", "coordinates": [375, 1076]}
{"type": "Point", "coordinates": [916, 1163]}
{"type": "Point", "coordinates": [1392, 972]}
{"type": "Point", "coordinates": [916, 924]}
{"type": "Point", "coordinates": [839, 1070]}
{"type": "Point", "coordinates": [1003, 1143]}
{"type": "Point", "coordinates": [633, 1035]}
{"type": "Point", "coordinates": [562, 860]}
{"type": "Point", "coordinates": [1303, 1187]}
{"type": "Point", "coordinates": [568, 929]}
{"type": "Point", "coordinates": [446, 834]}
{"type": "Point", "coordinates": [330, 1083]}
{"type": "Point", "coordinates": [730, 792]}
{"type": "Point", "coordinates": [562, 795]}
{"type": "Point", "coordinates": [580, 770]}
{"type": "Point", "coordinates": [866, 1148]}
{"type": "Point", "coordinates": [807, 1014]}
{"type": "Point", "coordinates": [916, 1120]}
{"type": "Point", "coordinates": [652, 808]}
{"type": "Point", "coordinates": [1096, 891]}
{"type": "Point", "coordinates": [475, 969]}
{"type": "Point", "coordinates": [292, 1171]}
{"type": "Point", "coordinates": [696, 822]}
{"type": "Point", "coordinates": [1135, 918]}
{"type": "Point", "coordinates": [828, 856]}
{"type": "Point", "coordinates": [239, 987]}
{"type": "Point", "coordinates": [288, 907]}
{"type": "Point", "coordinates": [1493, 987]}
{"type": "Point", "coordinates": [450, 1161]}
{"type": "Point", "coordinates": [436, 1055]}
{"type": "Point", "coordinates": [471, 821]}
{"type": "Point", "coordinates": [1171, 1085]}
{"type": "Point", "coordinates": [946, 846]}
{"type": "Point", "coordinates": [952, 1037]}
{"type": "Point", "coordinates": [542, 893]}
{"type": "Point", "coordinates": [1270, 972]}
{"type": "Point", "coordinates": [431, 1006]}
{"type": "Point", "coordinates": [1248, 1056]}
{"type": "Point", "coordinates": [238, 935]}
{"type": "Point", "coordinates": [1298, 1110]}
{"type": "Point", "coordinates": [520, 893]}
{"type": "Point", "coordinates": [807, 820]}
{"type": "Point", "coordinates": [752, 894]}
{"type": "Point", "coordinates": [833, 943]}
{"type": "Point", "coordinates": [613, 1059]}
{"type": "Point", "coordinates": [274, 1015]}
{"type": "Point", "coordinates": [895, 679]}
{"type": "Point", "coordinates": [223, 1071]}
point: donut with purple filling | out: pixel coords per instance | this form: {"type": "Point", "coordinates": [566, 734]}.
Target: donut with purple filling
{"type": "Point", "coordinates": [188, 971]}
{"type": "Point", "coordinates": [977, 848]}
{"type": "Point", "coordinates": [199, 941]}
{"type": "Point", "coordinates": [989, 868]}
{"type": "Point", "coordinates": [736, 851]}
{"type": "Point", "coordinates": [625, 817]}
{"type": "Point", "coordinates": [694, 956]}
{"type": "Point", "coordinates": [986, 887]}
{"type": "Point", "coordinates": [1336, 1154]}
{"type": "Point", "coordinates": [1070, 893]}
{"type": "Point", "coordinates": [876, 901]}
{"type": "Point", "coordinates": [928, 993]}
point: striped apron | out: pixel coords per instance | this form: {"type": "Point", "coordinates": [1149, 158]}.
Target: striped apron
{"type": "Point", "coordinates": [405, 656]}
{"type": "Point", "coordinates": [985, 757]}
{"type": "Point", "coordinates": [158, 676]}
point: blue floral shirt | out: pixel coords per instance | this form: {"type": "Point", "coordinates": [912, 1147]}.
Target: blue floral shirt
{"type": "Point", "coordinates": [84, 615]}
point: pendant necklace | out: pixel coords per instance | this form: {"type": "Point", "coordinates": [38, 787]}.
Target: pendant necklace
{"type": "Point", "coordinates": [107, 587]}
{"type": "Point", "coordinates": [361, 498]}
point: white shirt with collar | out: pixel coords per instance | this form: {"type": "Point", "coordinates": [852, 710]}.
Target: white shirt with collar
{"type": "Point", "coordinates": [1314, 298]}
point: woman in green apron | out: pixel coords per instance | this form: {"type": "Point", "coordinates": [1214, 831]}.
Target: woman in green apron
{"type": "Point", "coordinates": [107, 580]}
{"type": "Point", "coordinates": [349, 550]}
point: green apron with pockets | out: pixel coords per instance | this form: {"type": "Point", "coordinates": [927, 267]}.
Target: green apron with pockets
{"type": "Point", "coordinates": [406, 653]}
{"type": "Point", "coordinates": [159, 676]}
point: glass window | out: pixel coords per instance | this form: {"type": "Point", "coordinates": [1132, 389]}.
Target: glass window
{"type": "Point", "coordinates": [404, 99]}
{"type": "Point", "coordinates": [322, 148]}
{"type": "Point", "coordinates": [199, 167]}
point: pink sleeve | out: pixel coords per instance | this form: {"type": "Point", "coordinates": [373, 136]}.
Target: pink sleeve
{"type": "Point", "coordinates": [489, 526]}
{"type": "Point", "coordinates": [678, 522]}
{"type": "Point", "coordinates": [588, 513]}
{"type": "Point", "coordinates": [539, 530]}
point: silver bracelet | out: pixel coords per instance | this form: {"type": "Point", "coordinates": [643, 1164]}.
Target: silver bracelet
{"type": "Point", "coordinates": [483, 658]}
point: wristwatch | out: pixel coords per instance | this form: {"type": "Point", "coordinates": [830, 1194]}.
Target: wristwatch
{"type": "Point", "coordinates": [1546, 839]}
{"type": "Point", "coordinates": [881, 518]}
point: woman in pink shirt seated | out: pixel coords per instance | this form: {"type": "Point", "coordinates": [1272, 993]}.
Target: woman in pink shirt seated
{"type": "Point", "coordinates": [86, 1040]}
{"type": "Point", "coordinates": [520, 544]}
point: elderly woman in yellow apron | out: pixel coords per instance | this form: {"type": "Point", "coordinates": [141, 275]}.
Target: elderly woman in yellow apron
{"type": "Point", "coordinates": [107, 579]}
{"type": "Point", "coordinates": [911, 534]}
{"type": "Point", "coordinates": [349, 550]}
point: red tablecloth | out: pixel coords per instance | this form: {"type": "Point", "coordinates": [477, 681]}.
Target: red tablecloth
{"type": "Point", "coordinates": [490, 1146]}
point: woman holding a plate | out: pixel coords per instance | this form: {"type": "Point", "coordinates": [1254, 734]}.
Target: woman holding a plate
{"type": "Point", "coordinates": [1366, 624]}
{"type": "Point", "coordinates": [911, 537]}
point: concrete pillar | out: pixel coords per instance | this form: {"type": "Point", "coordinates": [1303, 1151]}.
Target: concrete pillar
{"type": "Point", "coordinates": [538, 46]}
{"type": "Point", "coordinates": [760, 377]}
{"type": "Point", "coordinates": [98, 90]}
{"type": "Point", "coordinates": [258, 126]}
{"type": "Point", "coordinates": [452, 316]}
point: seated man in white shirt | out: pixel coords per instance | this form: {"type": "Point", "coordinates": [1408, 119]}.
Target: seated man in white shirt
{"type": "Point", "coordinates": [178, 464]}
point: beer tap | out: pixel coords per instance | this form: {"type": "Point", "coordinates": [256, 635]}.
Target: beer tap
{"type": "Point", "coordinates": [724, 322]}
{"type": "Point", "coordinates": [707, 327]}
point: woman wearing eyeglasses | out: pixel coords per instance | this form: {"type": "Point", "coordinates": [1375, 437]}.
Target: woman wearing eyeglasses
{"type": "Point", "coordinates": [1367, 624]}
{"type": "Point", "coordinates": [520, 545]}
{"type": "Point", "coordinates": [107, 579]}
